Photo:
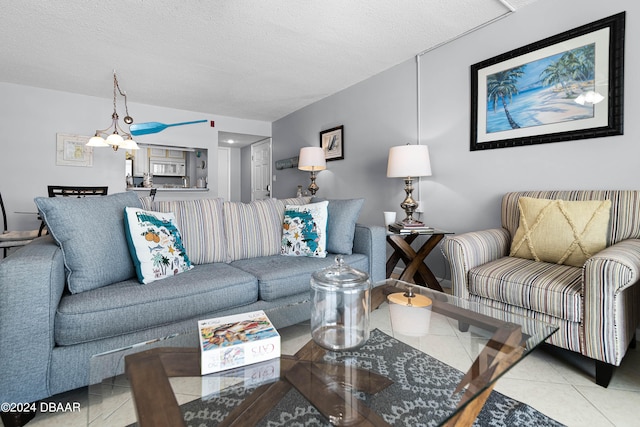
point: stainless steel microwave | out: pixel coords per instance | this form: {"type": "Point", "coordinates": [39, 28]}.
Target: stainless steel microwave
{"type": "Point", "coordinates": [167, 167]}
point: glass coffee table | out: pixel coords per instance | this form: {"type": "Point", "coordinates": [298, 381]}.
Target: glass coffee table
{"type": "Point", "coordinates": [432, 365]}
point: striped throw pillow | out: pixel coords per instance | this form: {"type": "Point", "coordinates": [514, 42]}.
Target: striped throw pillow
{"type": "Point", "coordinates": [202, 227]}
{"type": "Point", "coordinates": [253, 229]}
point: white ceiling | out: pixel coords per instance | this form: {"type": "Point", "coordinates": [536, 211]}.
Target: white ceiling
{"type": "Point", "coordinates": [254, 59]}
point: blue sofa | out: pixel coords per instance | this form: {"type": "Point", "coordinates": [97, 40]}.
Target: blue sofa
{"type": "Point", "coordinates": [49, 330]}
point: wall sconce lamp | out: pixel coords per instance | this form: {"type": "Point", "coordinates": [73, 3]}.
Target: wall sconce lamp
{"type": "Point", "coordinates": [312, 159]}
{"type": "Point", "coordinates": [409, 162]}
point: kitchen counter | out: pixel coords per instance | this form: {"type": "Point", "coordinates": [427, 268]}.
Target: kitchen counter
{"type": "Point", "coordinates": [162, 189]}
{"type": "Point", "coordinates": [175, 193]}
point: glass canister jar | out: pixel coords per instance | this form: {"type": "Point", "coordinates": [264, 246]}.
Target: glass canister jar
{"type": "Point", "coordinates": [341, 300]}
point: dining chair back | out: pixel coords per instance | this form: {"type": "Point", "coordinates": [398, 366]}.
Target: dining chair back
{"type": "Point", "coordinates": [12, 239]}
{"type": "Point", "coordinates": [74, 191]}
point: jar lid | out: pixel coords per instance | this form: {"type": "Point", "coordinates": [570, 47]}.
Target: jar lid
{"type": "Point", "coordinates": [340, 274]}
{"type": "Point", "coordinates": [414, 300]}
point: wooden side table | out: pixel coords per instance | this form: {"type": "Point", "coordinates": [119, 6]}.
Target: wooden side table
{"type": "Point", "coordinates": [415, 271]}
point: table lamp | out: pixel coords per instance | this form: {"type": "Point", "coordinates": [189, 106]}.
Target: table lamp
{"type": "Point", "coordinates": [312, 159]}
{"type": "Point", "coordinates": [408, 162]}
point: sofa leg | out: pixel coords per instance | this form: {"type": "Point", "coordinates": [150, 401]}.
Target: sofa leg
{"type": "Point", "coordinates": [633, 343]}
{"type": "Point", "coordinates": [604, 372]}
{"type": "Point", "coordinates": [16, 419]}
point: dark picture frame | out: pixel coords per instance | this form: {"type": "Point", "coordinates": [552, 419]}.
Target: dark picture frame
{"type": "Point", "coordinates": [332, 143]}
{"type": "Point", "coordinates": [528, 95]}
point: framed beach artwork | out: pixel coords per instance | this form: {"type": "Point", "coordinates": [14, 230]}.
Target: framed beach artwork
{"type": "Point", "coordinates": [332, 142]}
{"type": "Point", "coordinates": [565, 87]}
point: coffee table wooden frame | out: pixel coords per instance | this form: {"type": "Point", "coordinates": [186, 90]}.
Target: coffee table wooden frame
{"type": "Point", "coordinates": [156, 405]}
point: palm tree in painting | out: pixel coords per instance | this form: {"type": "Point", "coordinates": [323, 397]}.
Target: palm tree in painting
{"type": "Point", "coordinates": [555, 74]}
{"type": "Point", "coordinates": [576, 65]}
{"type": "Point", "coordinates": [501, 87]}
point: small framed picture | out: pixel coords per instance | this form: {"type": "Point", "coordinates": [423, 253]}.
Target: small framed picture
{"type": "Point", "coordinates": [71, 150]}
{"type": "Point", "coordinates": [332, 142]}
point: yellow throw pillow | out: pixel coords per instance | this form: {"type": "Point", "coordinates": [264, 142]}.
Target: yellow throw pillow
{"type": "Point", "coordinates": [560, 231]}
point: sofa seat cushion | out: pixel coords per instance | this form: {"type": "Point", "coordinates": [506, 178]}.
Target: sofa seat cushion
{"type": "Point", "coordinates": [280, 276]}
{"type": "Point", "coordinates": [539, 286]}
{"type": "Point", "coordinates": [127, 306]}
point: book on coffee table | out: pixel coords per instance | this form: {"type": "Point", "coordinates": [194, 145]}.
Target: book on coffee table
{"type": "Point", "coordinates": [237, 340]}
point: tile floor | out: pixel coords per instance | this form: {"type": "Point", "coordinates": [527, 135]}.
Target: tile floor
{"type": "Point", "coordinates": [556, 382]}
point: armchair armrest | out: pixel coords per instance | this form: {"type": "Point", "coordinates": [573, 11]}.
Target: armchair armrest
{"type": "Point", "coordinates": [32, 281]}
{"type": "Point", "coordinates": [611, 296]}
{"type": "Point", "coordinates": [469, 250]}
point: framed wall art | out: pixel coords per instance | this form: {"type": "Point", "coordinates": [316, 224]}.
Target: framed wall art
{"type": "Point", "coordinates": [565, 87]}
{"type": "Point", "coordinates": [332, 142]}
{"type": "Point", "coordinates": [71, 150]}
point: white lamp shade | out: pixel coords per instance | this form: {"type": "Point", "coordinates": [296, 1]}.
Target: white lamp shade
{"type": "Point", "coordinates": [97, 141]}
{"type": "Point", "coordinates": [129, 144]}
{"type": "Point", "coordinates": [115, 139]}
{"type": "Point", "coordinates": [312, 159]}
{"type": "Point", "coordinates": [408, 161]}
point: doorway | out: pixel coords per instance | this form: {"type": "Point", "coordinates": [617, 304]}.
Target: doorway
{"type": "Point", "coordinates": [261, 170]}
{"type": "Point", "coordinates": [240, 173]}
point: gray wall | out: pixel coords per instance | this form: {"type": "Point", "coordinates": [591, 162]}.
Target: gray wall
{"type": "Point", "coordinates": [464, 192]}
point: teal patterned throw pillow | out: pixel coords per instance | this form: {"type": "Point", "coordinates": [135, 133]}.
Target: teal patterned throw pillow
{"type": "Point", "coordinates": [304, 230]}
{"type": "Point", "coordinates": [155, 244]}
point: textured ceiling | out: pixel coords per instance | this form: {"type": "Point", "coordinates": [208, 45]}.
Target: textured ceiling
{"type": "Point", "coordinates": [255, 59]}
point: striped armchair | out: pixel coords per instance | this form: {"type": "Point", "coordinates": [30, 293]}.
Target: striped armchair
{"type": "Point", "coordinates": [596, 306]}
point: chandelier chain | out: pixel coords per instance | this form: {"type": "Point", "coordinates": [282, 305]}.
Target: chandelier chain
{"type": "Point", "coordinates": [123, 94]}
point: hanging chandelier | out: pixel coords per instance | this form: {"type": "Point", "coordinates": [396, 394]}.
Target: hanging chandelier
{"type": "Point", "coordinates": [114, 136]}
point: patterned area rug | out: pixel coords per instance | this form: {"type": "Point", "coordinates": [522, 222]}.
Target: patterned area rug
{"type": "Point", "coordinates": [420, 395]}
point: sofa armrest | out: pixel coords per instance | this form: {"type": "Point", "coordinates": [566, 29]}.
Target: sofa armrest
{"type": "Point", "coordinates": [611, 295]}
{"type": "Point", "coordinates": [371, 240]}
{"type": "Point", "coordinates": [469, 250]}
{"type": "Point", "coordinates": [32, 281]}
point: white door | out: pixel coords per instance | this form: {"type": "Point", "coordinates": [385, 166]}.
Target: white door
{"type": "Point", "coordinates": [261, 170]}
{"type": "Point", "coordinates": [224, 172]}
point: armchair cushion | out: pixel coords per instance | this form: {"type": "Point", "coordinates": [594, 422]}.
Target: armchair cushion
{"type": "Point", "coordinates": [559, 231]}
{"type": "Point", "coordinates": [543, 287]}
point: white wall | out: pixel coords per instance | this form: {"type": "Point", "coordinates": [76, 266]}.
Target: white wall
{"type": "Point", "coordinates": [464, 192]}
{"type": "Point", "coordinates": [30, 118]}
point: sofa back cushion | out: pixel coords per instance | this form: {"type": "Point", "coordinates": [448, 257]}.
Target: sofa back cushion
{"type": "Point", "coordinates": [341, 227]}
{"type": "Point", "coordinates": [90, 232]}
{"type": "Point", "coordinates": [202, 226]}
{"type": "Point", "coordinates": [253, 229]}
{"type": "Point", "coordinates": [624, 219]}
